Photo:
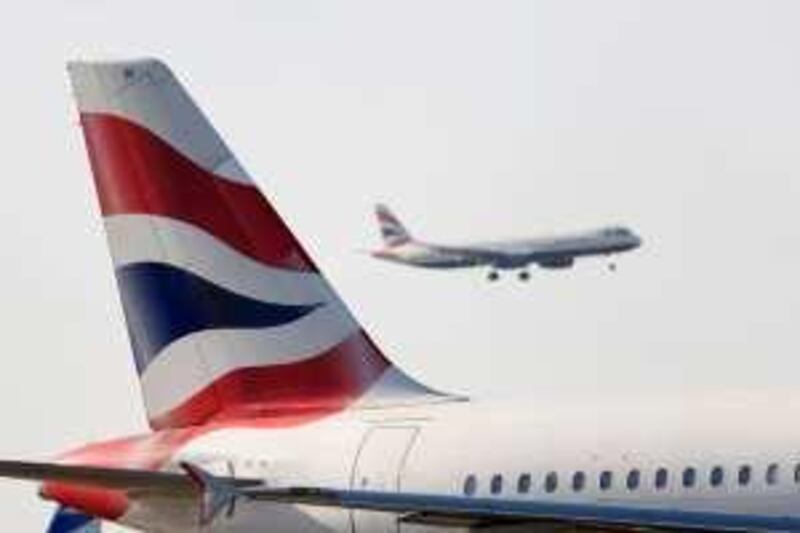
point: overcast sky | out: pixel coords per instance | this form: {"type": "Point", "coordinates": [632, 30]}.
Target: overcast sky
{"type": "Point", "coordinates": [473, 120]}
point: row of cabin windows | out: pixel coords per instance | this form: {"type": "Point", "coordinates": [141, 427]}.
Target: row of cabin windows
{"type": "Point", "coordinates": [605, 480]}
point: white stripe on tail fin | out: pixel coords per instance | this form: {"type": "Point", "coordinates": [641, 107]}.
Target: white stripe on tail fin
{"type": "Point", "coordinates": [392, 230]}
{"type": "Point", "coordinates": [228, 316]}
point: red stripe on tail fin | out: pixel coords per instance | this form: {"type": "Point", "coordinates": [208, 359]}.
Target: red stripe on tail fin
{"type": "Point", "coordinates": [212, 350]}
{"type": "Point", "coordinates": [138, 173]}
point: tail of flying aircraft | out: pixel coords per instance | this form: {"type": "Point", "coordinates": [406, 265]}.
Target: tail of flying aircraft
{"type": "Point", "coordinates": [228, 316]}
{"type": "Point", "coordinates": [392, 230]}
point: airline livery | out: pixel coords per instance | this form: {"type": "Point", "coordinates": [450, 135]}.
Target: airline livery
{"type": "Point", "coordinates": [546, 252]}
{"type": "Point", "coordinates": [270, 409]}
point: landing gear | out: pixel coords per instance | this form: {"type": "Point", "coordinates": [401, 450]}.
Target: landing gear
{"type": "Point", "coordinates": [612, 267]}
{"type": "Point", "coordinates": [524, 275]}
{"type": "Point", "coordinates": [493, 275]}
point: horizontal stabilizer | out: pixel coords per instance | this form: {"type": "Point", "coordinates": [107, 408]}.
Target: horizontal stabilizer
{"type": "Point", "coordinates": [107, 478]}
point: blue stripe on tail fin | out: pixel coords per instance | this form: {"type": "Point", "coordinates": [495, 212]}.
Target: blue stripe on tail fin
{"type": "Point", "coordinates": [392, 230]}
{"type": "Point", "coordinates": [163, 303]}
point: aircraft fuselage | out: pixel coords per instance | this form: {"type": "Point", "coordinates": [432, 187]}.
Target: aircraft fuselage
{"type": "Point", "coordinates": [655, 458]}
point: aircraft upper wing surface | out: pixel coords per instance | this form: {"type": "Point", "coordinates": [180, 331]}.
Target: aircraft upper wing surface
{"type": "Point", "coordinates": [214, 493]}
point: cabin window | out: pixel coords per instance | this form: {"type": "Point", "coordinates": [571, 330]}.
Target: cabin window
{"type": "Point", "coordinates": [717, 476]}
{"type": "Point", "coordinates": [578, 481]}
{"type": "Point", "coordinates": [632, 481]}
{"type": "Point", "coordinates": [772, 474]}
{"type": "Point", "coordinates": [606, 479]}
{"type": "Point", "coordinates": [661, 478]}
{"type": "Point", "coordinates": [551, 482]}
{"type": "Point", "coordinates": [470, 485]}
{"type": "Point", "coordinates": [496, 485]}
{"type": "Point", "coordinates": [689, 477]}
{"type": "Point", "coordinates": [524, 484]}
{"type": "Point", "coordinates": [745, 473]}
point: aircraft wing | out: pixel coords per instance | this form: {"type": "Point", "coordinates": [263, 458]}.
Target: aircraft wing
{"type": "Point", "coordinates": [508, 253]}
{"type": "Point", "coordinates": [215, 493]}
{"type": "Point", "coordinates": [519, 250]}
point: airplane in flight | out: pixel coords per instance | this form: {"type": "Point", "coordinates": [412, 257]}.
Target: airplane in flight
{"type": "Point", "coordinates": [546, 252]}
{"type": "Point", "coordinates": [271, 409]}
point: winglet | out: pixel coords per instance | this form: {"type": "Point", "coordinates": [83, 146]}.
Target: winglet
{"type": "Point", "coordinates": [215, 493]}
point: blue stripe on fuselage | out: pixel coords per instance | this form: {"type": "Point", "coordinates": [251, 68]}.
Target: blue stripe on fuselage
{"type": "Point", "coordinates": [163, 303]}
{"type": "Point", "coordinates": [520, 510]}
{"type": "Point", "coordinates": [68, 521]}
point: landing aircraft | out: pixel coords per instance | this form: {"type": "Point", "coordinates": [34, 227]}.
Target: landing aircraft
{"type": "Point", "coordinates": [547, 252]}
{"type": "Point", "coordinates": [270, 408]}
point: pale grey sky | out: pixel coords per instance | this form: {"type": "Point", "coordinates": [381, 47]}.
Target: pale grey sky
{"type": "Point", "coordinates": [474, 120]}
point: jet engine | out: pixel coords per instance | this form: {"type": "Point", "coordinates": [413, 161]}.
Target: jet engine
{"type": "Point", "coordinates": [557, 262]}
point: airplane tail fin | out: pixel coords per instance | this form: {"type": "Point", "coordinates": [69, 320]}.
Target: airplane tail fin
{"type": "Point", "coordinates": [227, 315]}
{"type": "Point", "coordinates": [392, 230]}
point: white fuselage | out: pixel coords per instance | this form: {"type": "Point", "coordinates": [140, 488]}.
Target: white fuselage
{"type": "Point", "coordinates": [553, 252]}
{"type": "Point", "coordinates": [434, 449]}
